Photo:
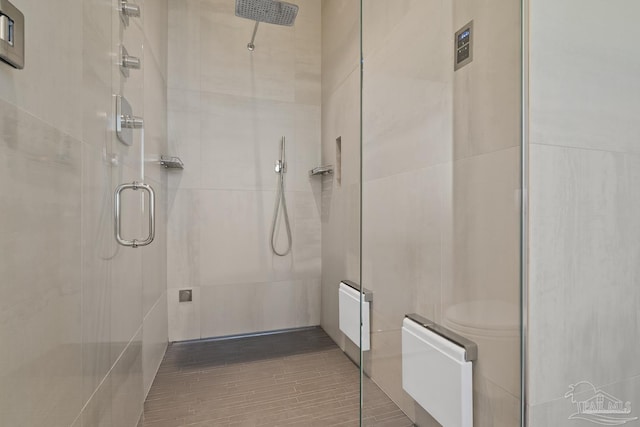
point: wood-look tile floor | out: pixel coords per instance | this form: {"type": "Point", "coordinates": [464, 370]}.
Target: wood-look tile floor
{"type": "Point", "coordinates": [297, 378]}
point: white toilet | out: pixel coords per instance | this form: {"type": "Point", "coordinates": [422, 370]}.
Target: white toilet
{"type": "Point", "coordinates": [495, 327]}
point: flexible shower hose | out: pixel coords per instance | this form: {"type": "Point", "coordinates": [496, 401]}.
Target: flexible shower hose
{"type": "Point", "coordinates": [280, 201]}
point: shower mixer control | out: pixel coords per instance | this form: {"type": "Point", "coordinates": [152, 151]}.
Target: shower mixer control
{"type": "Point", "coordinates": [463, 48]}
{"type": "Point", "coordinates": [126, 121]}
{"type": "Point", "coordinates": [128, 62]}
{"type": "Point", "coordinates": [11, 35]}
{"type": "Point", "coordinates": [280, 167]}
{"type": "Point", "coordinates": [132, 122]}
{"type": "Point", "coordinates": [128, 9]}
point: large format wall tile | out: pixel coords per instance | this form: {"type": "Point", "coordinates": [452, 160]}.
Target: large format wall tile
{"type": "Point", "coordinates": [340, 42]}
{"type": "Point", "coordinates": [227, 126]}
{"type": "Point", "coordinates": [184, 130]}
{"type": "Point", "coordinates": [50, 87]}
{"type": "Point", "coordinates": [98, 246]}
{"type": "Point", "coordinates": [308, 48]}
{"type": "Point", "coordinates": [155, 117]}
{"type": "Point", "coordinates": [340, 196]}
{"type": "Point", "coordinates": [584, 90]}
{"type": "Point", "coordinates": [265, 73]}
{"type": "Point", "coordinates": [183, 239]}
{"type": "Point", "coordinates": [40, 312]}
{"type": "Point", "coordinates": [184, 317]}
{"type": "Point", "coordinates": [127, 395]}
{"type": "Point", "coordinates": [584, 229]}
{"type": "Point", "coordinates": [154, 256]}
{"type": "Point", "coordinates": [237, 308]}
{"type": "Point", "coordinates": [241, 141]}
{"type": "Point", "coordinates": [487, 91]}
{"type": "Point", "coordinates": [184, 45]}
{"type": "Point", "coordinates": [486, 228]}
{"type": "Point", "coordinates": [402, 248]}
{"type": "Point", "coordinates": [235, 232]}
{"type": "Point", "coordinates": [584, 268]}
{"type": "Point", "coordinates": [154, 341]}
{"type": "Point", "coordinates": [407, 96]}
{"type": "Point", "coordinates": [341, 119]}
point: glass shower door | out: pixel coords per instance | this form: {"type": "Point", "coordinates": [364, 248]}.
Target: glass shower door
{"type": "Point", "coordinates": [441, 207]}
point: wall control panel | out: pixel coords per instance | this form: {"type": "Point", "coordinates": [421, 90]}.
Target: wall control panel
{"type": "Point", "coordinates": [11, 35]}
{"type": "Point", "coordinates": [463, 46]}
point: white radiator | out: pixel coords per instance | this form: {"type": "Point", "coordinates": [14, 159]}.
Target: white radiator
{"type": "Point", "coordinates": [349, 308]}
{"type": "Point", "coordinates": [437, 375]}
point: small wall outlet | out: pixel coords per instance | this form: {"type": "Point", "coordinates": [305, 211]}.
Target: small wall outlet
{"type": "Point", "coordinates": [185, 295]}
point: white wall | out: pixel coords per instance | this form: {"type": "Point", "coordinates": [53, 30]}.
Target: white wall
{"type": "Point", "coordinates": [83, 324]}
{"type": "Point", "coordinates": [584, 230]}
{"type": "Point", "coordinates": [228, 109]}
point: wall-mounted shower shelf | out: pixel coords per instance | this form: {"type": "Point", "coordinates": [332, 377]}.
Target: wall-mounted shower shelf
{"type": "Point", "coordinates": [171, 162]}
{"type": "Point", "coordinates": [321, 170]}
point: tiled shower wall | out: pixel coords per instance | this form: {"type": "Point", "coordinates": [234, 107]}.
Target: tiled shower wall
{"type": "Point", "coordinates": [228, 109]}
{"type": "Point", "coordinates": [584, 288]}
{"type": "Point", "coordinates": [83, 322]}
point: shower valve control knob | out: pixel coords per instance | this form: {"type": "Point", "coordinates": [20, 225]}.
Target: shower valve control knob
{"type": "Point", "coordinates": [129, 9]}
{"type": "Point", "coordinates": [131, 62]}
{"type": "Point", "coordinates": [132, 122]}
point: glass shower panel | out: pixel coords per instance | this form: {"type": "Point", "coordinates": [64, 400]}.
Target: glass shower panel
{"type": "Point", "coordinates": [441, 208]}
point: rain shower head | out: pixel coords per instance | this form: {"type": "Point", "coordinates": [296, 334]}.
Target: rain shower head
{"type": "Point", "coordinates": [269, 11]}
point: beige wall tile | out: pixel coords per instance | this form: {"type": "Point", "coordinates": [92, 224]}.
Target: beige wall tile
{"type": "Point", "coordinates": [583, 89]}
{"type": "Point", "coordinates": [229, 125]}
{"type": "Point", "coordinates": [340, 42]}
{"type": "Point", "coordinates": [154, 341]}
{"type": "Point", "coordinates": [184, 317]}
{"type": "Point", "coordinates": [184, 52]}
{"type": "Point", "coordinates": [40, 313]}
{"type": "Point", "coordinates": [583, 268]}
{"type": "Point", "coordinates": [237, 308]}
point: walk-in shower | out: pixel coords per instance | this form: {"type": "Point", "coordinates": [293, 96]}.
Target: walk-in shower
{"type": "Point", "coordinates": [281, 203]}
{"type": "Point", "coordinates": [269, 11]}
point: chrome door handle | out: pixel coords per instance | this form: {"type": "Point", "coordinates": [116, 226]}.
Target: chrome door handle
{"type": "Point", "coordinates": [152, 214]}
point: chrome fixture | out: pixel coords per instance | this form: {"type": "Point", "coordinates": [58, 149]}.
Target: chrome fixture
{"type": "Point", "coordinates": [128, 62]}
{"type": "Point", "coordinates": [470, 347]}
{"type": "Point", "coordinates": [321, 170]}
{"type": "Point", "coordinates": [171, 162]}
{"type": "Point", "coordinates": [126, 121]}
{"type": "Point", "coordinates": [128, 9]}
{"type": "Point", "coordinates": [269, 11]}
{"type": "Point", "coordinates": [281, 202]}
{"type": "Point", "coordinates": [118, 212]}
{"type": "Point", "coordinates": [367, 295]}
{"type": "Point", "coordinates": [11, 35]}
